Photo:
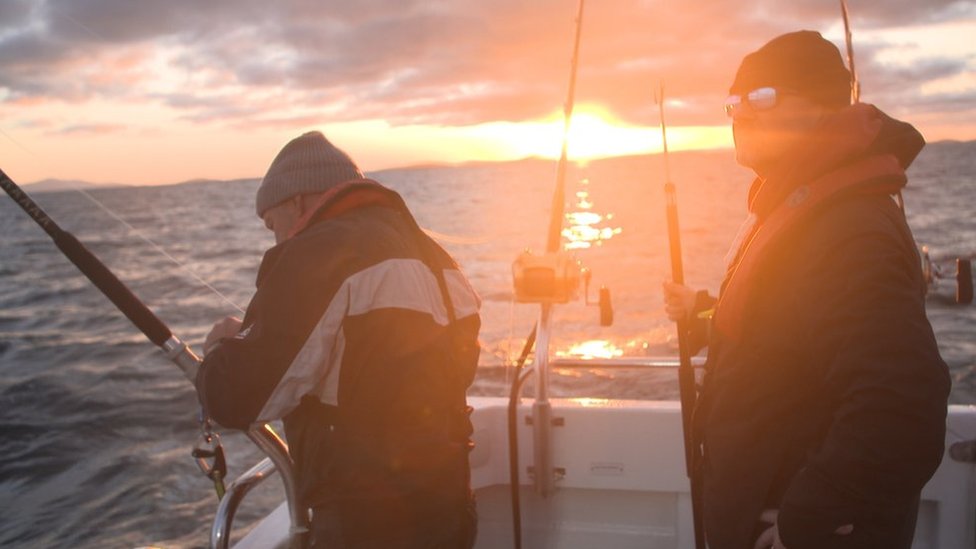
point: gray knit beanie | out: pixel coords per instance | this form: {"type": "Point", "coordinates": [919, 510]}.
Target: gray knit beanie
{"type": "Point", "coordinates": [307, 164]}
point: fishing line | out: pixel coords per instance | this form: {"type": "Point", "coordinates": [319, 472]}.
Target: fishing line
{"type": "Point", "coordinates": [160, 249]}
{"type": "Point", "coordinates": [18, 143]}
{"type": "Point", "coordinates": [107, 210]}
{"type": "Point", "coordinates": [84, 27]}
{"type": "Point", "coordinates": [154, 245]}
{"type": "Point", "coordinates": [430, 232]}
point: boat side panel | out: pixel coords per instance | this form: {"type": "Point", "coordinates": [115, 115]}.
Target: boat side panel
{"type": "Point", "coordinates": [625, 483]}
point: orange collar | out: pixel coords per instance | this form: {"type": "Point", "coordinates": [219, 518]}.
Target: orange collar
{"type": "Point", "coordinates": [344, 197]}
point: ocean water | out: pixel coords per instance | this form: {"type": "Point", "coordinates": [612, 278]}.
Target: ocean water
{"type": "Point", "coordinates": [96, 425]}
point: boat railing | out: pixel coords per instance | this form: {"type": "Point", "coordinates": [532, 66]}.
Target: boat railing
{"type": "Point", "coordinates": [278, 460]}
{"type": "Point", "coordinates": [223, 520]}
{"type": "Point", "coordinates": [623, 363]}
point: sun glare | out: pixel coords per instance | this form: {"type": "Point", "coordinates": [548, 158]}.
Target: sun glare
{"type": "Point", "coordinates": [594, 135]}
{"type": "Point", "coordinates": [594, 132]}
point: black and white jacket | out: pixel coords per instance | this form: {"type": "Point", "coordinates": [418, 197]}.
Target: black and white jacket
{"type": "Point", "coordinates": [349, 340]}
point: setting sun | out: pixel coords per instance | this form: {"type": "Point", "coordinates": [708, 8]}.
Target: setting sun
{"type": "Point", "coordinates": [157, 85]}
{"type": "Point", "coordinates": [594, 132]}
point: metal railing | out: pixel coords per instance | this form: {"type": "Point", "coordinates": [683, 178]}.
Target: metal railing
{"type": "Point", "coordinates": [278, 460]}
{"type": "Point", "coordinates": [622, 363]}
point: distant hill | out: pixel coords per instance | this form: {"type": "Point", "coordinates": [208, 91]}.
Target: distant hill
{"type": "Point", "coordinates": [55, 185]}
{"type": "Point", "coordinates": [206, 181]}
{"type": "Point", "coordinates": [952, 145]}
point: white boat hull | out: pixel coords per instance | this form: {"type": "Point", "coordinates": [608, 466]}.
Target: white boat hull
{"type": "Point", "coordinates": [623, 481]}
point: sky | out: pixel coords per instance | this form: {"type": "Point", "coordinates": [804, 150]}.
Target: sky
{"type": "Point", "coordinates": [164, 91]}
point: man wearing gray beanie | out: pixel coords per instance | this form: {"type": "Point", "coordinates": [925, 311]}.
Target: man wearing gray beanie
{"type": "Point", "coordinates": [822, 412]}
{"type": "Point", "coordinates": [362, 338]}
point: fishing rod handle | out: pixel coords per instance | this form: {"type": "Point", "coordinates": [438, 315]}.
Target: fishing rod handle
{"type": "Point", "coordinates": [182, 356]}
{"type": "Point", "coordinates": [674, 234]}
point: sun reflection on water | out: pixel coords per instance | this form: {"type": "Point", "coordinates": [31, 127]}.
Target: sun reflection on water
{"type": "Point", "coordinates": [584, 200]}
{"type": "Point", "coordinates": [589, 402]}
{"type": "Point", "coordinates": [593, 348]}
{"type": "Point", "coordinates": [583, 226]}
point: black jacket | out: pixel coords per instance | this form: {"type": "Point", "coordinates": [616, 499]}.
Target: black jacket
{"type": "Point", "coordinates": [826, 396]}
{"type": "Point", "coordinates": [348, 339]}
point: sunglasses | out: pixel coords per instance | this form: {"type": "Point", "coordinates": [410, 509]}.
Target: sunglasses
{"type": "Point", "coordinates": [759, 99]}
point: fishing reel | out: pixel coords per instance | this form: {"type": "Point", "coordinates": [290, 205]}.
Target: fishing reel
{"type": "Point", "coordinates": [933, 272]}
{"type": "Point", "coordinates": [555, 278]}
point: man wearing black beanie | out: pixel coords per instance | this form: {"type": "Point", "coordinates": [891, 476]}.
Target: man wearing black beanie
{"type": "Point", "coordinates": [822, 412]}
{"type": "Point", "coordinates": [362, 337]}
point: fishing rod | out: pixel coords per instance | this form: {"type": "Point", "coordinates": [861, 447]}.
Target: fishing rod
{"type": "Point", "coordinates": [559, 196]}
{"type": "Point", "coordinates": [564, 267]}
{"type": "Point", "coordinates": [932, 272]}
{"type": "Point", "coordinates": [135, 310]}
{"type": "Point", "coordinates": [263, 436]}
{"type": "Point", "coordinates": [855, 83]}
{"type": "Point", "coordinates": [106, 281]}
{"type": "Point", "coordinates": [546, 280]}
{"type": "Point", "coordinates": [686, 373]}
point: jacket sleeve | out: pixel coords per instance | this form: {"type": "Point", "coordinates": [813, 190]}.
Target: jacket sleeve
{"type": "Point", "coordinates": [241, 376]}
{"type": "Point", "coordinates": [887, 385]}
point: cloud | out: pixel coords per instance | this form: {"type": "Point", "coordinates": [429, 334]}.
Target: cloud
{"type": "Point", "coordinates": [91, 129]}
{"type": "Point", "coordinates": [888, 13]}
{"type": "Point", "coordinates": [448, 62]}
{"type": "Point", "coordinates": [278, 123]}
{"type": "Point", "coordinates": [15, 12]}
{"type": "Point", "coordinates": [885, 79]}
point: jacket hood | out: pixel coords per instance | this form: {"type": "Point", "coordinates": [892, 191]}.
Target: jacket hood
{"type": "Point", "coordinates": [844, 137]}
{"type": "Point", "coordinates": [897, 138]}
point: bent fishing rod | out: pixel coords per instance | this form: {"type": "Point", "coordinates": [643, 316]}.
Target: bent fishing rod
{"type": "Point", "coordinates": [138, 313]}
{"type": "Point", "coordinates": [106, 281]}
{"type": "Point", "coordinates": [686, 373]}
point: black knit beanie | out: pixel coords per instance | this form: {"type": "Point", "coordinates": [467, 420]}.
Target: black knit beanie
{"type": "Point", "coordinates": [307, 164]}
{"type": "Point", "coordinates": [803, 62]}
